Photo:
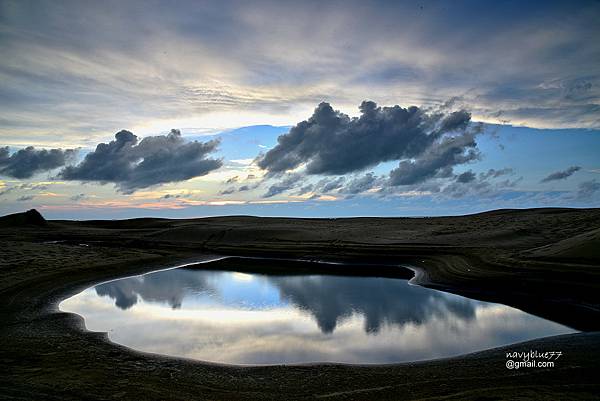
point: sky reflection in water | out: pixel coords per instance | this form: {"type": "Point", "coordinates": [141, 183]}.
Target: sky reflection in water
{"type": "Point", "coordinates": [241, 318]}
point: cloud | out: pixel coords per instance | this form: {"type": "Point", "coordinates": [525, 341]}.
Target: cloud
{"type": "Point", "coordinates": [466, 177]}
{"type": "Point", "coordinates": [248, 187]}
{"type": "Point", "coordinates": [427, 142]}
{"type": "Point", "coordinates": [578, 89]}
{"type": "Point", "coordinates": [483, 184]}
{"type": "Point", "coordinates": [332, 143]}
{"type": "Point", "coordinates": [493, 173]}
{"type": "Point", "coordinates": [360, 184]}
{"type": "Point", "coordinates": [227, 191]}
{"type": "Point", "coordinates": [78, 197]}
{"type": "Point", "coordinates": [242, 188]}
{"type": "Point", "coordinates": [342, 185]}
{"type": "Point", "coordinates": [587, 189]}
{"type": "Point", "coordinates": [133, 164]}
{"type": "Point", "coordinates": [328, 299]}
{"type": "Point", "coordinates": [26, 186]}
{"type": "Point", "coordinates": [561, 175]}
{"type": "Point", "coordinates": [155, 287]}
{"type": "Point", "coordinates": [324, 186]}
{"type": "Point", "coordinates": [305, 189]}
{"type": "Point", "coordinates": [328, 185]}
{"type": "Point", "coordinates": [58, 62]}
{"type": "Point", "coordinates": [287, 183]}
{"type": "Point", "coordinates": [25, 198]}
{"type": "Point", "coordinates": [459, 189]}
{"type": "Point", "coordinates": [331, 299]}
{"type": "Point", "coordinates": [24, 163]}
{"type": "Point", "coordinates": [437, 160]}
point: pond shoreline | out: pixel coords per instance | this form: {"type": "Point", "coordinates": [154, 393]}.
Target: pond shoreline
{"type": "Point", "coordinates": [296, 312]}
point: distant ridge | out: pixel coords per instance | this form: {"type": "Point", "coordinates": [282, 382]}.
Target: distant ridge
{"type": "Point", "coordinates": [29, 218]}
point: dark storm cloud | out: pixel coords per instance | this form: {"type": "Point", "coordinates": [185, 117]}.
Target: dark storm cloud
{"type": "Point", "coordinates": [24, 163]}
{"type": "Point", "coordinates": [133, 164]}
{"type": "Point", "coordinates": [437, 160]}
{"type": "Point", "coordinates": [455, 121]}
{"type": "Point", "coordinates": [332, 143]}
{"type": "Point", "coordinates": [561, 175]}
{"type": "Point", "coordinates": [427, 143]}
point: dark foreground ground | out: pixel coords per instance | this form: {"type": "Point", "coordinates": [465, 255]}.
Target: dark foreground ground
{"type": "Point", "coordinates": [543, 261]}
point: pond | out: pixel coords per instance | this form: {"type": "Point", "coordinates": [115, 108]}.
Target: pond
{"type": "Point", "coordinates": [247, 318]}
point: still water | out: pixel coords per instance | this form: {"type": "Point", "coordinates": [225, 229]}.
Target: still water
{"type": "Point", "coordinates": [241, 318]}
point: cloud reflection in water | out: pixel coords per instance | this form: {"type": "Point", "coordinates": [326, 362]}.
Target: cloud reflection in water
{"type": "Point", "coordinates": [243, 318]}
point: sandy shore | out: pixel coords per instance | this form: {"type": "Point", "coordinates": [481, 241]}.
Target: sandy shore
{"type": "Point", "coordinates": [543, 261]}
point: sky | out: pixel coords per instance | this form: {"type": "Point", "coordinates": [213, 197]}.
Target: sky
{"type": "Point", "coordinates": [120, 109]}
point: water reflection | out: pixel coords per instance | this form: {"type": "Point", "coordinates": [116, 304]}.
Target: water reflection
{"type": "Point", "coordinates": [379, 300]}
{"type": "Point", "coordinates": [165, 287]}
{"type": "Point", "coordinates": [329, 299]}
{"type": "Point", "coordinates": [255, 319]}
